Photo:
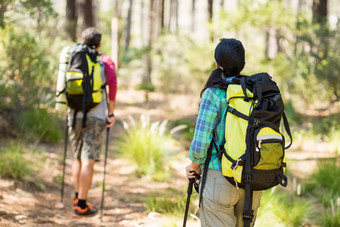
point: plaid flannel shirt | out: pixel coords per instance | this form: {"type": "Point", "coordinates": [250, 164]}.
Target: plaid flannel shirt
{"type": "Point", "coordinates": [211, 116]}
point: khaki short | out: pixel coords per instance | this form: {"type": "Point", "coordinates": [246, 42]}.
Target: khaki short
{"type": "Point", "coordinates": [86, 142]}
{"type": "Point", "coordinates": [222, 203]}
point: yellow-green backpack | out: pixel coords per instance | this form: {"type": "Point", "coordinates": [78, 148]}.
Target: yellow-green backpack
{"type": "Point", "coordinates": [84, 85]}
{"type": "Point", "coordinates": [253, 157]}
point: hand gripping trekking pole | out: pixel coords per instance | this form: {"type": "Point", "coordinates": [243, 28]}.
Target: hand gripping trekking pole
{"type": "Point", "coordinates": [106, 148]}
{"type": "Point", "coordinates": [189, 192]}
{"type": "Point", "coordinates": [64, 159]}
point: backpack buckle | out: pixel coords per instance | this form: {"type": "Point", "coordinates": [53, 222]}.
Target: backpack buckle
{"type": "Point", "coordinates": [246, 216]}
{"type": "Point", "coordinates": [256, 123]}
{"type": "Point", "coordinates": [247, 178]}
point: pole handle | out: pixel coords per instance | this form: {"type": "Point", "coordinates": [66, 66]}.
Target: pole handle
{"type": "Point", "coordinates": [191, 183]}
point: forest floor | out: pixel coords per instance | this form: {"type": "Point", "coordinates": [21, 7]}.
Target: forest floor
{"type": "Point", "coordinates": [21, 204]}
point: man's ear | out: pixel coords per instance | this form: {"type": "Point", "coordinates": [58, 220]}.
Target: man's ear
{"type": "Point", "coordinates": [99, 46]}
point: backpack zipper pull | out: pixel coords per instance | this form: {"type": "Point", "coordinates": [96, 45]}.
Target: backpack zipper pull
{"type": "Point", "coordinates": [260, 141]}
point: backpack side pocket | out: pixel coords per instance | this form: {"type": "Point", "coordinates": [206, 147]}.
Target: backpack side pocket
{"type": "Point", "coordinates": [269, 149]}
{"type": "Point", "coordinates": [74, 82]}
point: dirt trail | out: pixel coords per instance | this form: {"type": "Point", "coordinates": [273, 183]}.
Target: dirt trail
{"type": "Point", "coordinates": [23, 205]}
{"type": "Point", "coordinates": [123, 206]}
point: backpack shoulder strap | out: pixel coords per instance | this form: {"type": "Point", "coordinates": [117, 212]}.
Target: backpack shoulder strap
{"type": "Point", "coordinates": [244, 88]}
{"type": "Point", "coordinates": [206, 166]}
{"type": "Point", "coordinates": [287, 128]}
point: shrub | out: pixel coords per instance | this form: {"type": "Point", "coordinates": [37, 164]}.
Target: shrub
{"type": "Point", "coordinates": [25, 75]}
{"type": "Point", "coordinates": [147, 144]}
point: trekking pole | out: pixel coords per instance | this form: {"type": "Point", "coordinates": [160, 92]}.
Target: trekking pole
{"type": "Point", "coordinates": [189, 192]}
{"type": "Point", "coordinates": [64, 160]}
{"type": "Point", "coordinates": [106, 148]}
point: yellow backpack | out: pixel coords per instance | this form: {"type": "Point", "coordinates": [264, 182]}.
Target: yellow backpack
{"type": "Point", "coordinates": [253, 157]}
{"type": "Point", "coordinates": [83, 82]}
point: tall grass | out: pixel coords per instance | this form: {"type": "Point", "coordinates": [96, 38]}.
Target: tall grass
{"type": "Point", "coordinates": [166, 204]}
{"type": "Point", "coordinates": [13, 164]}
{"type": "Point", "coordinates": [331, 219]}
{"type": "Point", "coordinates": [324, 184]}
{"type": "Point", "coordinates": [148, 145]}
{"type": "Point", "coordinates": [278, 208]}
{"type": "Point", "coordinates": [172, 202]}
{"type": "Point", "coordinates": [187, 132]}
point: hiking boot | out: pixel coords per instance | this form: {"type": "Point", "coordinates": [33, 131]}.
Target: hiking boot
{"type": "Point", "coordinates": [86, 212]}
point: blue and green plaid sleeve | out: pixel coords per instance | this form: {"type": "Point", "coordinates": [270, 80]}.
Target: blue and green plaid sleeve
{"type": "Point", "coordinates": [210, 117]}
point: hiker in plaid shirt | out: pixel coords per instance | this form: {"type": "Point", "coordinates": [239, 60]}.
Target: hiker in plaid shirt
{"type": "Point", "coordinates": [221, 204]}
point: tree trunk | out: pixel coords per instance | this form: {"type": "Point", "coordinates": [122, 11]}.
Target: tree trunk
{"type": "Point", "coordinates": [71, 19]}
{"type": "Point", "coordinates": [115, 40]}
{"type": "Point", "coordinates": [162, 9]}
{"type": "Point", "coordinates": [266, 44]}
{"type": "Point", "coordinates": [128, 26]}
{"type": "Point", "coordinates": [88, 14]}
{"type": "Point", "coordinates": [271, 43]}
{"type": "Point", "coordinates": [320, 11]}
{"type": "Point", "coordinates": [297, 38]}
{"type": "Point", "coordinates": [173, 18]}
{"type": "Point", "coordinates": [210, 9]}
{"type": "Point", "coordinates": [278, 41]}
{"type": "Point", "coordinates": [170, 14]}
{"type": "Point", "coordinates": [117, 9]}
{"type": "Point", "coordinates": [3, 8]}
{"type": "Point", "coordinates": [193, 14]}
{"type": "Point", "coordinates": [157, 9]}
{"type": "Point", "coordinates": [222, 4]}
{"type": "Point", "coordinates": [147, 77]}
{"type": "Point", "coordinates": [142, 22]}
{"type": "Point", "coordinates": [320, 14]}
{"type": "Point", "coordinates": [210, 18]}
{"type": "Point", "coordinates": [177, 13]}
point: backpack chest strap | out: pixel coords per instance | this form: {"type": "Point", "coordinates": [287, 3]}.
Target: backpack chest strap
{"type": "Point", "coordinates": [237, 113]}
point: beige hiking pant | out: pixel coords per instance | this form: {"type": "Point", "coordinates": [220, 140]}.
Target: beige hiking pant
{"type": "Point", "coordinates": [222, 203]}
